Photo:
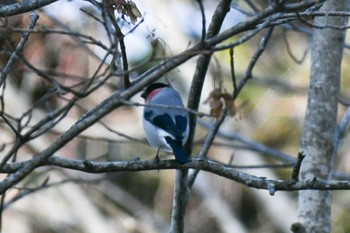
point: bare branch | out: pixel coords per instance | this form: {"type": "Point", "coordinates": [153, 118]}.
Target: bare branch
{"type": "Point", "coordinates": [181, 190]}
{"type": "Point", "coordinates": [33, 19]}
{"type": "Point", "coordinates": [19, 8]}
{"type": "Point", "coordinates": [289, 50]}
{"type": "Point", "coordinates": [206, 145]}
{"type": "Point", "coordinates": [338, 136]}
{"type": "Point", "coordinates": [253, 61]}
{"type": "Point", "coordinates": [252, 145]}
{"type": "Point", "coordinates": [214, 167]}
{"type": "Point", "coordinates": [201, 7]}
{"type": "Point", "coordinates": [232, 69]}
{"type": "Point", "coordinates": [108, 105]}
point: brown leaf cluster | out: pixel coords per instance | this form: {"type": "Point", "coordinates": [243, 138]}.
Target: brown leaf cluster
{"type": "Point", "coordinates": [126, 8]}
{"type": "Point", "coordinates": [218, 100]}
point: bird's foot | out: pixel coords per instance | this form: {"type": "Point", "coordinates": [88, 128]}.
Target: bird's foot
{"type": "Point", "coordinates": [157, 157]}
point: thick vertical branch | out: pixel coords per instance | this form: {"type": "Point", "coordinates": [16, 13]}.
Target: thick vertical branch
{"type": "Point", "coordinates": [203, 64]}
{"type": "Point", "coordinates": [321, 115]}
{"type": "Point", "coordinates": [181, 189]}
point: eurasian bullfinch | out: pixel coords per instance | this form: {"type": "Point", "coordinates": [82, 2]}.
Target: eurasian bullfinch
{"type": "Point", "coordinates": [166, 127]}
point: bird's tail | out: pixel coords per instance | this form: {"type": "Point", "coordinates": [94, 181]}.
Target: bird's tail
{"type": "Point", "coordinates": [178, 150]}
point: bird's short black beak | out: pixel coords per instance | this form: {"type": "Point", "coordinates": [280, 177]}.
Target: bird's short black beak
{"type": "Point", "coordinates": [144, 94]}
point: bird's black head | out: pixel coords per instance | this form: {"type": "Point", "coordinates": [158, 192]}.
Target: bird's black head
{"type": "Point", "coordinates": [151, 88]}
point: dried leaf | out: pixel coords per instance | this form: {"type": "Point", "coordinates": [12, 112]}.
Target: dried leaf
{"type": "Point", "coordinates": [126, 8]}
{"type": "Point", "coordinates": [135, 10]}
{"type": "Point", "coordinates": [217, 99]}
{"type": "Point", "coordinates": [214, 100]}
{"type": "Point", "coordinates": [230, 104]}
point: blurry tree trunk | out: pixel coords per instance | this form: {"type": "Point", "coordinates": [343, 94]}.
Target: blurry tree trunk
{"type": "Point", "coordinates": [321, 115]}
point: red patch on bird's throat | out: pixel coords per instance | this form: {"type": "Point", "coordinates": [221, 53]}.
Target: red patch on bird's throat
{"type": "Point", "coordinates": [152, 94]}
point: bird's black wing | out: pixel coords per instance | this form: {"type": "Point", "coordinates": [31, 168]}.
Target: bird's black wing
{"type": "Point", "coordinates": [166, 123]}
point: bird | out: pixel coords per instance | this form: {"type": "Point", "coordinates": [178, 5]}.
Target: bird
{"type": "Point", "coordinates": [166, 127]}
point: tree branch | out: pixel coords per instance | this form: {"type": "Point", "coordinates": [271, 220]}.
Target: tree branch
{"type": "Point", "coordinates": [33, 19]}
{"type": "Point", "coordinates": [214, 167]}
{"type": "Point", "coordinates": [26, 6]}
{"type": "Point", "coordinates": [320, 121]}
{"type": "Point", "coordinates": [181, 190]}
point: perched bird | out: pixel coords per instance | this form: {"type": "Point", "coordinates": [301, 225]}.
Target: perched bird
{"type": "Point", "coordinates": [166, 127]}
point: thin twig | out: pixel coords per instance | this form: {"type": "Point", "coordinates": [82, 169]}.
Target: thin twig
{"type": "Point", "coordinates": [296, 168]}
{"type": "Point", "coordinates": [206, 145]}
{"type": "Point", "coordinates": [338, 136]}
{"type": "Point", "coordinates": [2, 208]}
{"type": "Point", "coordinates": [251, 144]}
{"type": "Point", "coordinates": [33, 19]}
{"type": "Point", "coordinates": [253, 61]}
{"type": "Point", "coordinates": [201, 7]}
{"type": "Point", "coordinates": [313, 25]}
{"type": "Point", "coordinates": [232, 70]}
{"type": "Point", "coordinates": [163, 106]}
{"type": "Point", "coordinates": [120, 38]}
{"type": "Point", "coordinates": [289, 50]}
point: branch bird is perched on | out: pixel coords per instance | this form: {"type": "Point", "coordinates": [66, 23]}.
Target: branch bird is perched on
{"type": "Point", "coordinates": [166, 127]}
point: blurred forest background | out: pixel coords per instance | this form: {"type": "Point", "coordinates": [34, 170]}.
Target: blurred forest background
{"type": "Point", "coordinates": [68, 45]}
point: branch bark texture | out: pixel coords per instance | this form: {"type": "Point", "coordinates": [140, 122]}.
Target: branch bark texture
{"type": "Point", "coordinates": [26, 6]}
{"type": "Point", "coordinates": [181, 190]}
{"type": "Point", "coordinates": [321, 116]}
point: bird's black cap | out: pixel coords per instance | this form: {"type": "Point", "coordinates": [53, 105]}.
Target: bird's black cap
{"type": "Point", "coordinates": [152, 87]}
